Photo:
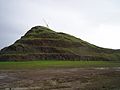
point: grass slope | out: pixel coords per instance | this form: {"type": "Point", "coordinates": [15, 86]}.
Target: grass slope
{"type": "Point", "coordinates": [41, 43]}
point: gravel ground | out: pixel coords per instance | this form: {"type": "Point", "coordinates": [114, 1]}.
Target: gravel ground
{"type": "Point", "coordinates": [61, 79]}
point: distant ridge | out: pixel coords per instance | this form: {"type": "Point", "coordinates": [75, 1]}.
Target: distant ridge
{"type": "Point", "coordinates": [42, 43]}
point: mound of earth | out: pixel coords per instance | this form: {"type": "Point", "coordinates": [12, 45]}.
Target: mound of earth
{"type": "Point", "coordinates": [42, 43]}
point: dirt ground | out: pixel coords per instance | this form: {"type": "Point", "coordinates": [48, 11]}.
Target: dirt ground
{"type": "Point", "coordinates": [61, 79]}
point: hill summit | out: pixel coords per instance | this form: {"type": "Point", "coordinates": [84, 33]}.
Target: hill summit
{"type": "Point", "coordinates": [42, 43]}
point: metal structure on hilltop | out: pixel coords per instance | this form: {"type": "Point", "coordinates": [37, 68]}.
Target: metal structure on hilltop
{"type": "Point", "coordinates": [46, 24]}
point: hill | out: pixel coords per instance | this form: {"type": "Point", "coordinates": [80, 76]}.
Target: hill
{"type": "Point", "coordinates": [42, 43]}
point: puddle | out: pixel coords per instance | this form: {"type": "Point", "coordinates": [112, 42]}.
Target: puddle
{"type": "Point", "coordinates": [3, 76]}
{"type": "Point", "coordinates": [103, 68]}
{"type": "Point", "coordinates": [106, 68]}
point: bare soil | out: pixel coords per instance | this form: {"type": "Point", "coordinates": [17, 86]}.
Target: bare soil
{"type": "Point", "coordinates": [61, 79]}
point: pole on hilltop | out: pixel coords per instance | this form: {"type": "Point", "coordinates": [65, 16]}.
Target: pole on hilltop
{"type": "Point", "coordinates": [45, 23]}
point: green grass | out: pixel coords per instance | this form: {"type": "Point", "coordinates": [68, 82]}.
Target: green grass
{"type": "Point", "coordinates": [57, 64]}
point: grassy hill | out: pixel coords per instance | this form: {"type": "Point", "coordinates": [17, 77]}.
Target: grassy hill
{"type": "Point", "coordinates": [42, 43]}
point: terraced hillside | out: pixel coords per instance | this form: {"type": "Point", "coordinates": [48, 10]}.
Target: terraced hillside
{"type": "Point", "coordinates": [42, 43]}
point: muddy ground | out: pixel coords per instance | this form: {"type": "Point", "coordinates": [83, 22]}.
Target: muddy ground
{"type": "Point", "coordinates": [61, 79]}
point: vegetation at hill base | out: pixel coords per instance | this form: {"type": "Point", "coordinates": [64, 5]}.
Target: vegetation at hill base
{"type": "Point", "coordinates": [57, 64]}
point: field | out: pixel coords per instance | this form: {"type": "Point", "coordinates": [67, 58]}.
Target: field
{"type": "Point", "coordinates": [57, 64]}
{"type": "Point", "coordinates": [60, 75]}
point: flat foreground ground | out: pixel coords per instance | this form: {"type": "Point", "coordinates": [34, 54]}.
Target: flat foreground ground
{"type": "Point", "coordinates": [61, 79]}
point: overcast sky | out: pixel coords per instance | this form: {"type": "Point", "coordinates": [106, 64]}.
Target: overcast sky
{"type": "Point", "coordinates": [95, 21]}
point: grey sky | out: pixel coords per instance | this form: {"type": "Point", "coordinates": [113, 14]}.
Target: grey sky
{"type": "Point", "coordinates": [95, 21]}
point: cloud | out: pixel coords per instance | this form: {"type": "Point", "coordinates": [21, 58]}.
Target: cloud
{"type": "Point", "coordinates": [96, 21]}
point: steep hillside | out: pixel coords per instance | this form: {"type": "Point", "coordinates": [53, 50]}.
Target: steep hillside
{"type": "Point", "coordinates": [41, 43]}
